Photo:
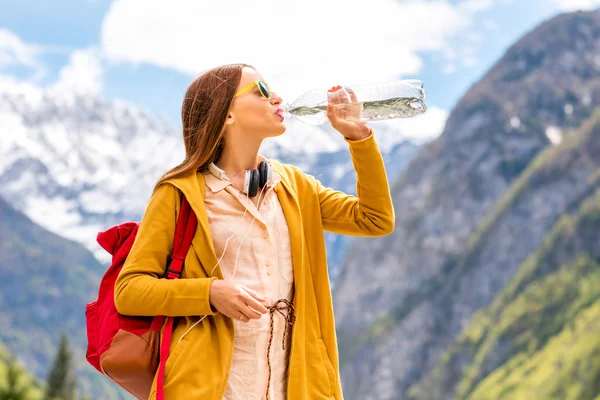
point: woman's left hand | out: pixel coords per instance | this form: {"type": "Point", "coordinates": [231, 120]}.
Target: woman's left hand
{"type": "Point", "coordinates": [346, 121]}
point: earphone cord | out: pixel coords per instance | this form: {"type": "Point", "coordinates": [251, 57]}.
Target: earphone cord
{"type": "Point", "coordinates": [290, 317]}
{"type": "Point", "coordinates": [223, 254]}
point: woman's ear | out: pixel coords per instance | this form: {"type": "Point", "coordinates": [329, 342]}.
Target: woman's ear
{"type": "Point", "coordinates": [230, 119]}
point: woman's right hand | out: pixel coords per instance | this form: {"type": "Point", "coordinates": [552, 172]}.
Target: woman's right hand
{"type": "Point", "coordinates": [236, 301]}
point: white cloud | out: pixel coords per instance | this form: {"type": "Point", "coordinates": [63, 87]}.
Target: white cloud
{"type": "Point", "coordinates": [83, 74]}
{"type": "Point", "coordinates": [473, 37]}
{"type": "Point", "coordinates": [469, 61]}
{"type": "Point", "coordinates": [449, 53]}
{"type": "Point", "coordinates": [575, 5]}
{"type": "Point", "coordinates": [449, 69]}
{"type": "Point", "coordinates": [14, 52]}
{"type": "Point", "coordinates": [297, 46]}
{"type": "Point", "coordinates": [490, 24]}
{"type": "Point", "coordinates": [32, 93]}
{"type": "Point", "coordinates": [427, 126]}
{"type": "Point", "coordinates": [419, 129]}
{"type": "Point", "coordinates": [476, 5]}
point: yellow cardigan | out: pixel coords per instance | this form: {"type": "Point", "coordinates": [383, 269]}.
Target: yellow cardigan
{"type": "Point", "coordinates": [198, 365]}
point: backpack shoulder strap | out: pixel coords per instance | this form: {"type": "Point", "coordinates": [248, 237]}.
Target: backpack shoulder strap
{"type": "Point", "coordinates": [184, 234]}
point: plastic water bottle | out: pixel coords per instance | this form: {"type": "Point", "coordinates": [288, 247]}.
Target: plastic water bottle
{"type": "Point", "coordinates": [375, 102]}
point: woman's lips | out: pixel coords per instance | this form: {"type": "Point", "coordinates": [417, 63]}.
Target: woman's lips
{"type": "Point", "coordinates": [279, 112]}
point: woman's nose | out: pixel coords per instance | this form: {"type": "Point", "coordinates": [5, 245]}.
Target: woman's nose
{"type": "Point", "coordinates": [275, 99]}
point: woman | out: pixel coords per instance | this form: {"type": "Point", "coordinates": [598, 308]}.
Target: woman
{"type": "Point", "coordinates": [256, 273]}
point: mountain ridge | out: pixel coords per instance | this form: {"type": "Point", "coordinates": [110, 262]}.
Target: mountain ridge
{"type": "Point", "coordinates": [496, 130]}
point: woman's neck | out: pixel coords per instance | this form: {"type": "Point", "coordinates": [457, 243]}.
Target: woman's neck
{"type": "Point", "coordinates": [239, 155]}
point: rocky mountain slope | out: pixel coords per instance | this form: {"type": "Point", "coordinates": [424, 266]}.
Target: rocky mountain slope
{"type": "Point", "coordinates": [550, 282]}
{"type": "Point", "coordinates": [46, 282]}
{"type": "Point", "coordinates": [453, 250]}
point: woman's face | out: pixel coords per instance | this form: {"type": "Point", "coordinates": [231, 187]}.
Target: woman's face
{"type": "Point", "coordinates": [253, 113]}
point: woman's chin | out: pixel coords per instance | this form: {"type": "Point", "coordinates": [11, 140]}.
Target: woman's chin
{"type": "Point", "coordinates": [271, 130]}
{"type": "Point", "coordinates": [278, 131]}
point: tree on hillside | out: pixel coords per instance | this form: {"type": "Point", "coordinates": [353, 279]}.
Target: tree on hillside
{"type": "Point", "coordinates": [61, 383]}
{"type": "Point", "coordinates": [14, 388]}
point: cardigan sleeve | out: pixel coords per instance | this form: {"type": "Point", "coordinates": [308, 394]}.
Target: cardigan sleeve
{"type": "Point", "coordinates": [370, 212]}
{"type": "Point", "coordinates": [140, 289]}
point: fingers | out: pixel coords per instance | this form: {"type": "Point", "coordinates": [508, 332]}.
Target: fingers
{"type": "Point", "coordinates": [352, 95]}
{"type": "Point", "coordinates": [246, 313]}
{"type": "Point", "coordinates": [237, 301]}
{"type": "Point", "coordinates": [242, 312]}
{"type": "Point", "coordinates": [253, 293]}
{"type": "Point", "coordinates": [338, 95]}
{"type": "Point", "coordinates": [250, 303]}
{"type": "Point", "coordinates": [333, 97]}
{"type": "Point", "coordinates": [331, 114]}
{"type": "Point", "coordinates": [255, 305]}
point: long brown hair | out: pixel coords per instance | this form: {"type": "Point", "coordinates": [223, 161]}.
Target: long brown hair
{"type": "Point", "coordinates": [203, 114]}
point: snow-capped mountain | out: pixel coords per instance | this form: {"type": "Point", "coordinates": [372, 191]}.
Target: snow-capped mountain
{"type": "Point", "coordinates": [79, 164]}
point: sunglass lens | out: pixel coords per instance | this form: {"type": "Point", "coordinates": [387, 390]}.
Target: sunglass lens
{"type": "Point", "coordinates": [264, 89]}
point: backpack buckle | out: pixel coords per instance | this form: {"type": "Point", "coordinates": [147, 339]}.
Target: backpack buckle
{"type": "Point", "coordinates": [171, 273]}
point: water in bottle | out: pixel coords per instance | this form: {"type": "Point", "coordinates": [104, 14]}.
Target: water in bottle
{"type": "Point", "coordinates": [374, 102]}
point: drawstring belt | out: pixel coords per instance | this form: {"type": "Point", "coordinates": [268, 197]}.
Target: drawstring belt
{"type": "Point", "coordinates": [290, 318]}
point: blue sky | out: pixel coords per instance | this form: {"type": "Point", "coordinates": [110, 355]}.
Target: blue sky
{"type": "Point", "coordinates": [147, 52]}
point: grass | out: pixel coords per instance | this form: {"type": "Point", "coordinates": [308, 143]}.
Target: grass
{"type": "Point", "coordinates": [546, 297]}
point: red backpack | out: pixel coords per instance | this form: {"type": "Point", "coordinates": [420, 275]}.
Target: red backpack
{"type": "Point", "coordinates": [129, 349]}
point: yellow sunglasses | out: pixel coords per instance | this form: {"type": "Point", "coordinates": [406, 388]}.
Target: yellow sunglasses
{"type": "Point", "coordinates": [263, 88]}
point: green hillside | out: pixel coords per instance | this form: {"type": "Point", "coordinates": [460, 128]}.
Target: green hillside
{"type": "Point", "coordinates": [550, 165]}
{"type": "Point", "coordinates": [46, 282]}
{"type": "Point", "coordinates": [25, 382]}
{"type": "Point", "coordinates": [540, 338]}
{"type": "Point", "coordinates": [567, 367]}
